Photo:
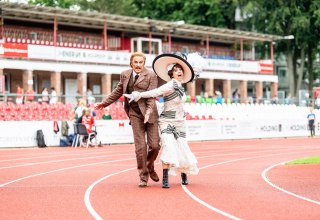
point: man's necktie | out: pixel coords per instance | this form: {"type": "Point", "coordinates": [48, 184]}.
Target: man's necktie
{"type": "Point", "coordinates": [135, 78]}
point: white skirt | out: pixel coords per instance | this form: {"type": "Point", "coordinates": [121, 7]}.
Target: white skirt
{"type": "Point", "coordinates": [176, 151]}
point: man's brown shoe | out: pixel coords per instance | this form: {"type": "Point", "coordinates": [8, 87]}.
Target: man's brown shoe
{"type": "Point", "coordinates": [142, 184]}
{"type": "Point", "coordinates": [154, 176]}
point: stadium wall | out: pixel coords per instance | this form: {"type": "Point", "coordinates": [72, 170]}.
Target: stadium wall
{"type": "Point", "coordinates": [23, 133]}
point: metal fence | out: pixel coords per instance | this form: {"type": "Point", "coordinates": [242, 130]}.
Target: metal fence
{"type": "Point", "coordinates": [73, 99]}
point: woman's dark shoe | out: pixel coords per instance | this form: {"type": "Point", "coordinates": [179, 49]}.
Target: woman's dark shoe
{"type": "Point", "coordinates": [165, 179]}
{"type": "Point", "coordinates": [184, 179]}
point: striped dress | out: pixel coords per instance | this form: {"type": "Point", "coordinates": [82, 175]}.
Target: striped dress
{"type": "Point", "coordinates": [172, 122]}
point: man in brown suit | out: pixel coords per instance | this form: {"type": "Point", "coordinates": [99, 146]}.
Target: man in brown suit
{"type": "Point", "coordinates": [142, 114]}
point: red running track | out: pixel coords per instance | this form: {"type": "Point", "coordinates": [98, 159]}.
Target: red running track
{"type": "Point", "coordinates": [237, 180]}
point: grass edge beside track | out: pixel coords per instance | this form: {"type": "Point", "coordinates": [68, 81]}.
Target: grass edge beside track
{"type": "Point", "coordinates": [306, 160]}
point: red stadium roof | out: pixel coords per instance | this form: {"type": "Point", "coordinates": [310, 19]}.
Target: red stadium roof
{"type": "Point", "coordinates": [26, 12]}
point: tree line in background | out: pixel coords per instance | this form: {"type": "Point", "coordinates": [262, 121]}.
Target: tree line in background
{"type": "Point", "coordinates": [300, 18]}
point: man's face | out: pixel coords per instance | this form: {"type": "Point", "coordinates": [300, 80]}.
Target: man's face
{"type": "Point", "coordinates": [137, 64]}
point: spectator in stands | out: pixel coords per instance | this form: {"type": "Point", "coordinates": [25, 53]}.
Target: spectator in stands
{"type": "Point", "coordinates": [275, 100]}
{"type": "Point", "coordinates": [288, 100]}
{"type": "Point", "coordinates": [176, 154]}
{"type": "Point", "coordinates": [308, 100]}
{"type": "Point", "coordinates": [29, 95]}
{"type": "Point", "coordinates": [84, 109]}
{"type": "Point", "coordinates": [78, 110]}
{"type": "Point", "coordinates": [88, 121]}
{"type": "Point", "coordinates": [219, 97]}
{"type": "Point", "coordinates": [254, 99]}
{"type": "Point", "coordinates": [311, 122]}
{"type": "Point", "coordinates": [90, 97]}
{"type": "Point", "coordinates": [106, 115]}
{"type": "Point", "coordinates": [235, 96]}
{"type": "Point", "coordinates": [78, 95]}
{"type": "Point", "coordinates": [143, 115]}
{"type": "Point", "coordinates": [45, 95]}
{"type": "Point", "coordinates": [19, 98]}
{"type": "Point", "coordinates": [53, 96]}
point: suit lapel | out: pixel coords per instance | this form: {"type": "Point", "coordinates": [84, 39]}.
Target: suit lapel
{"type": "Point", "coordinates": [126, 81]}
{"type": "Point", "coordinates": [142, 75]}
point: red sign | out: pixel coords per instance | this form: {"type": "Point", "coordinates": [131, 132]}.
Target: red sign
{"type": "Point", "coordinates": [14, 50]}
{"type": "Point", "coordinates": [316, 92]}
{"type": "Point", "coordinates": [266, 66]}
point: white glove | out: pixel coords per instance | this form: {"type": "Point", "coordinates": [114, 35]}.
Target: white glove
{"type": "Point", "coordinates": [133, 96]}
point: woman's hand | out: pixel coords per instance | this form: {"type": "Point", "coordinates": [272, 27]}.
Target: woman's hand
{"type": "Point", "coordinates": [134, 96]}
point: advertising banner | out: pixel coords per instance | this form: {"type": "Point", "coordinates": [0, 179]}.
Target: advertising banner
{"type": "Point", "coordinates": [81, 55]}
{"type": "Point", "coordinates": [123, 58]}
{"type": "Point", "coordinates": [233, 66]}
{"type": "Point", "coordinates": [14, 50]}
{"type": "Point", "coordinates": [14, 134]}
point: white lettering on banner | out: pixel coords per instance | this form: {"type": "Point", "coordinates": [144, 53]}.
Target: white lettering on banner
{"type": "Point", "coordinates": [9, 50]}
{"type": "Point", "coordinates": [230, 129]}
{"type": "Point", "coordinates": [194, 130]}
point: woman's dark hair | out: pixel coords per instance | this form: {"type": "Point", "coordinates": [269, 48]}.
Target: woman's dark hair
{"type": "Point", "coordinates": [170, 72]}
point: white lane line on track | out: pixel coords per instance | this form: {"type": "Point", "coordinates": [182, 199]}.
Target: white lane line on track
{"type": "Point", "coordinates": [55, 161]}
{"type": "Point", "coordinates": [62, 169]}
{"type": "Point", "coordinates": [265, 178]}
{"type": "Point", "coordinates": [87, 202]}
{"type": "Point", "coordinates": [71, 159]}
{"type": "Point", "coordinates": [207, 205]}
{"type": "Point", "coordinates": [226, 162]}
{"type": "Point", "coordinates": [66, 153]}
{"type": "Point", "coordinates": [97, 216]}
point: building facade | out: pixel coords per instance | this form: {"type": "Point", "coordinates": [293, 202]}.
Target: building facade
{"type": "Point", "coordinates": [74, 51]}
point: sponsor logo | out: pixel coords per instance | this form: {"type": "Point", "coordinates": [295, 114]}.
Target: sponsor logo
{"type": "Point", "coordinates": [271, 128]}
{"type": "Point", "coordinates": [298, 127]}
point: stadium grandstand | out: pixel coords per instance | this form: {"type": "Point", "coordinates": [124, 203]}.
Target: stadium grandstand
{"type": "Point", "coordinates": [81, 54]}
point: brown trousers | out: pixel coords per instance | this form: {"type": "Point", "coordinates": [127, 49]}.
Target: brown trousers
{"type": "Point", "coordinates": [146, 151]}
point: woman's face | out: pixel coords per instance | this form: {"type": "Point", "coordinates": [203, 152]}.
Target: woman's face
{"type": "Point", "coordinates": [177, 74]}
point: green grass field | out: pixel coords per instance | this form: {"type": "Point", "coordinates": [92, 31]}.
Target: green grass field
{"type": "Point", "coordinates": [307, 160]}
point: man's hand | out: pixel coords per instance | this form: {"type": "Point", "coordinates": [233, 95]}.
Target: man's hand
{"type": "Point", "coordinates": [98, 106]}
{"type": "Point", "coordinates": [146, 117]}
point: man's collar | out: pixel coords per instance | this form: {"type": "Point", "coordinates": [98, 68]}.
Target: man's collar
{"type": "Point", "coordinates": [134, 73]}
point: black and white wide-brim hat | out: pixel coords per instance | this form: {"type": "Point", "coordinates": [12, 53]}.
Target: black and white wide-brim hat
{"type": "Point", "coordinates": [164, 62]}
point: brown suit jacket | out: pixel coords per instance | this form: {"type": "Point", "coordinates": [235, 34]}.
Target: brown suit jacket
{"type": "Point", "coordinates": [147, 81]}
